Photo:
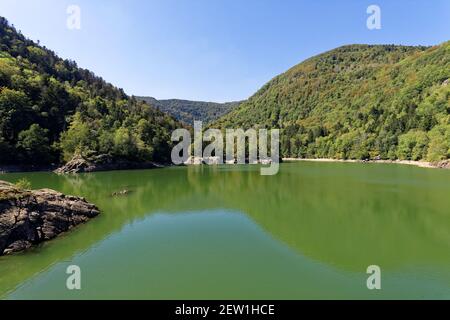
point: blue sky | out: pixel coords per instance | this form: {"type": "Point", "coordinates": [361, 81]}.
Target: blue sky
{"type": "Point", "coordinates": [215, 50]}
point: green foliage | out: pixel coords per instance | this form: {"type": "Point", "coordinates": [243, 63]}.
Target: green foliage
{"type": "Point", "coordinates": [34, 144]}
{"type": "Point", "coordinates": [124, 144]}
{"type": "Point", "coordinates": [439, 147]}
{"type": "Point", "coordinates": [78, 139]}
{"type": "Point", "coordinates": [6, 152]}
{"type": "Point", "coordinates": [188, 111]}
{"type": "Point", "coordinates": [51, 110]}
{"type": "Point", "coordinates": [23, 184]}
{"type": "Point", "coordinates": [14, 111]}
{"type": "Point", "coordinates": [357, 102]}
{"type": "Point", "coordinates": [413, 145]}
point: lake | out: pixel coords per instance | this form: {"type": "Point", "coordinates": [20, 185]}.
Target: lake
{"type": "Point", "coordinates": [226, 232]}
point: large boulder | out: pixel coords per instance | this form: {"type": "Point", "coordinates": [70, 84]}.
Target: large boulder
{"type": "Point", "coordinates": [31, 217]}
{"type": "Point", "coordinates": [77, 165]}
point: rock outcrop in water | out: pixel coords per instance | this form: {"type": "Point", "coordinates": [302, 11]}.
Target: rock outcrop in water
{"type": "Point", "coordinates": [81, 164]}
{"type": "Point", "coordinates": [31, 217]}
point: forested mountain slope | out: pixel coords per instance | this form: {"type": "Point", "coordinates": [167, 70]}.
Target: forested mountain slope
{"type": "Point", "coordinates": [359, 102]}
{"type": "Point", "coordinates": [50, 110]}
{"type": "Point", "coordinates": [187, 111]}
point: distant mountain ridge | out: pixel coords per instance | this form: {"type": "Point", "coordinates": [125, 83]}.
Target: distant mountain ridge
{"type": "Point", "coordinates": [187, 111]}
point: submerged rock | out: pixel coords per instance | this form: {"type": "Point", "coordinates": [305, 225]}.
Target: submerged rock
{"type": "Point", "coordinates": [31, 217]}
{"type": "Point", "coordinates": [124, 192]}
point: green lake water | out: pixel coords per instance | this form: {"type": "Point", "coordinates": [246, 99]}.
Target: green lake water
{"type": "Point", "coordinates": [227, 232]}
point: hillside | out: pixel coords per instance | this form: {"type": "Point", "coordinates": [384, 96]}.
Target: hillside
{"type": "Point", "coordinates": [187, 111]}
{"type": "Point", "coordinates": [358, 102]}
{"type": "Point", "coordinates": [51, 110]}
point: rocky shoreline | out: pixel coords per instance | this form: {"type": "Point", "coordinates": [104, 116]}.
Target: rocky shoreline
{"type": "Point", "coordinates": [26, 168]}
{"type": "Point", "coordinates": [28, 217]}
{"type": "Point", "coordinates": [445, 164]}
{"type": "Point", "coordinates": [84, 165]}
{"type": "Point", "coordinates": [80, 164]}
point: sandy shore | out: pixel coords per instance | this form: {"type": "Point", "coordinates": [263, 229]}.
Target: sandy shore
{"type": "Point", "coordinates": [422, 164]}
